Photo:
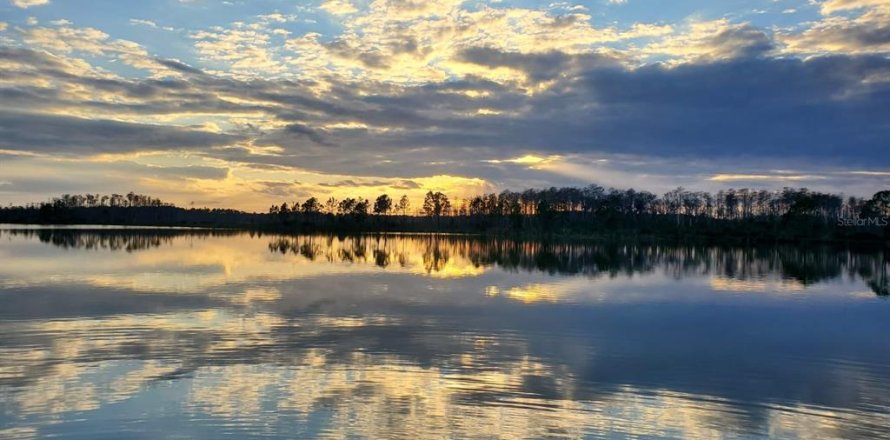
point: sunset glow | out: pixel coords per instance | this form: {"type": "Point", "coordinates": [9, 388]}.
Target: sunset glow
{"type": "Point", "coordinates": [245, 104]}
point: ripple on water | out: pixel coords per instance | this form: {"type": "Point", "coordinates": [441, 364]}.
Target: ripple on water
{"type": "Point", "coordinates": [205, 337]}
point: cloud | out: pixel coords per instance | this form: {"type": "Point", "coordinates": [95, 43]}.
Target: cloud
{"type": "Point", "coordinates": [302, 130]}
{"type": "Point", "coordinates": [530, 160]}
{"type": "Point", "coordinates": [246, 49]}
{"type": "Point", "coordinates": [142, 22]}
{"type": "Point", "coordinates": [794, 107]}
{"type": "Point", "coordinates": [179, 66]}
{"type": "Point", "coordinates": [536, 66]}
{"type": "Point", "coordinates": [150, 24]}
{"type": "Point", "coordinates": [24, 4]}
{"type": "Point", "coordinates": [762, 177]}
{"type": "Point", "coordinates": [511, 96]}
{"type": "Point", "coordinates": [412, 42]}
{"type": "Point", "coordinates": [373, 183]}
{"type": "Point", "coordinates": [593, 102]}
{"type": "Point", "coordinates": [832, 6]}
{"type": "Point", "coordinates": [868, 32]}
{"type": "Point", "coordinates": [68, 135]}
{"type": "Point", "coordinates": [187, 172]}
{"type": "Point", "coordinates": [67, 41]}
{"type": "Point", "coordinates": [338, 7]}
{"type": "Point", "coordinates": [706, 41]}
{"type": "Point", "coordinates": [818, 108]}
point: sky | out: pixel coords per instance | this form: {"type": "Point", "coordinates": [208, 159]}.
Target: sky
{"type": "Point", "coordinates": [243, 104]}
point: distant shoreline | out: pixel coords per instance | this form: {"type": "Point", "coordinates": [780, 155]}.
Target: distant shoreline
{"type": "Point", "coordinates": [589, 213]}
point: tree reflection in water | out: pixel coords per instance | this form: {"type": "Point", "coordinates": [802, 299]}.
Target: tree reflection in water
{"type": "Point", "coordinates": [422, 336]}
{"type": "Point", "coordinates": [804, 265]}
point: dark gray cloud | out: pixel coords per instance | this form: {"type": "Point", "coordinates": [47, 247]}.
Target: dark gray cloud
{"type": "Point", "coordinates": [402, 184]}
{"type": "Point", "coordinates": [741, 41]}
{"type": "Point", "coordinates": [538, 66]}
{"type": "Point", "coordinates": [869, 36]}
{"type": "Point", "coordinates": [822, 110]}
{"type": "Point", "coordinates": [861, 35]}
{"type": "Point", "coordinates": [774, 108]}
{"type": "Point", "coordinates": [179, 66]}
{"type": "Point", "coordinates": [341, 48]}
{"type": "Point", "coordinates": [189, 172]}
{"type": "Point", "coordinates": [302, 130]}
{"type": "Point", "coordinates": [282, 189]}
{"type": "Point", "coordinates": [63, 134]}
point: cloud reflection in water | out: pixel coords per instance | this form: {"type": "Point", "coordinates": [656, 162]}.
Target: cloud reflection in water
{"type": "Point", "coordinates": [425, 337]}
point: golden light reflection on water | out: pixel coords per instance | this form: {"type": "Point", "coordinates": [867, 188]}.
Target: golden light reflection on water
{"type": "Point", "coordinates": [407, 337]}
{"type": "Point", "coordinates": [531, 293]}
{"type": "Point", "coordinates": [200, 262]}
{"type": "Point", "coordinates": [765, 286]}
{"type": "Point", "coordinates": [197, 263]}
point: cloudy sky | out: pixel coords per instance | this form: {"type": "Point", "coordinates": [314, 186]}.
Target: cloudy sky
{"type": "Point", "coordinates": [244, 103]}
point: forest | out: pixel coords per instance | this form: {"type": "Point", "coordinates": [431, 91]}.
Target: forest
{"type": "Point", "coordinates": [789, 214]}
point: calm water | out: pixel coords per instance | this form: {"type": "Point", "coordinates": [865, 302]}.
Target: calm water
{"type": "Point", "coordinates": [179, 334]}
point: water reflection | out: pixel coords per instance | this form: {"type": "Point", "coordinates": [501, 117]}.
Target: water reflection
{"type": "Point", "coordinates": [419, 336]}
{"type": "Point", "coordinates": [110, 238]}
{"type": "Point", "coordinates": [450, 256]}
{"type": "Point", "coordinates": [805, 266]}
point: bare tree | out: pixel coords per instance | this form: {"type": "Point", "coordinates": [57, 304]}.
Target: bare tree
{"type": "Point", "coordinates": [331, 205]}
{"type": "Point", "coordinates": [403, 205]}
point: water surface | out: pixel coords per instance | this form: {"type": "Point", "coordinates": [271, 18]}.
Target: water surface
{"type": "Point", "coordinates": [112, 333]}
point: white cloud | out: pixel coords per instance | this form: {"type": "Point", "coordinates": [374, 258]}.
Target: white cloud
{"type": "Point", "coordinates": [245, 48]}
{"type": "Point", "coordinates": [339, 7]}
{"type": "Point", "coordinates": [832, 6]}
{"type": "Point", "coordinates": [67, 40]}
{"type": "Point", "coordinates": [29, 3]}
{"type": "Point", "coordinates": [140, 22]}
{"type": "Point", "coordinates": [410, 42]}
{"type": "Point", "coordinates": [863, 29]}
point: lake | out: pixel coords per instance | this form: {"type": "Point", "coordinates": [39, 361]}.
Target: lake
{"type": "Point", "coordinates": [166, 333]}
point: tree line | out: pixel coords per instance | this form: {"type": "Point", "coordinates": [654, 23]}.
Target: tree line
{"type": "Point", "coordinates": [434, 204]}
{"type": "Point", "coordinates": [788, 214]}
{"type": "Point", "coordinates": [731, 204]}
{"type": "Point", "coordinates": [129, 200]}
